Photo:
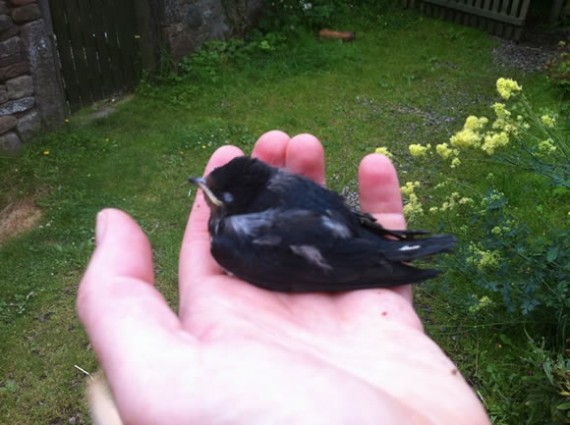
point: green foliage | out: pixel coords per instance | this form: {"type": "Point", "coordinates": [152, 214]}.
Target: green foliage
{"type": "Point", "coordinates": [514, 259]}
{"type": "Point", "coordinates": [548, 385]}
{"type": "Point", "coordinates": [291, 16]}
{"type": "Point", "coordinates": [558, 69]}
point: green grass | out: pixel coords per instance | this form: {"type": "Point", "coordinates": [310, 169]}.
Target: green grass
{"type": "Point", "coordinates": [406, 79]}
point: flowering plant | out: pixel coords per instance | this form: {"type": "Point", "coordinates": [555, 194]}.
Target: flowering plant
{"type": "Point", "coordinates": [503, 253]}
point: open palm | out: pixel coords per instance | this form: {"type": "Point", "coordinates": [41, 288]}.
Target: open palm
{"type": "Point", "coordinates": [237, 354]}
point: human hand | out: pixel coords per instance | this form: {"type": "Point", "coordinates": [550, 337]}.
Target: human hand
{"type": "Point", "coordinates": [239, 354]}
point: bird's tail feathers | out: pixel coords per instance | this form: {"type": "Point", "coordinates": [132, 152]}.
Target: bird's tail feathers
{"type": "Point", "coordinates": [408, 250]}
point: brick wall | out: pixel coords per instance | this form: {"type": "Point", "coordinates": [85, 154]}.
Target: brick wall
{"type": "Point", "coordinates": [30, 95]}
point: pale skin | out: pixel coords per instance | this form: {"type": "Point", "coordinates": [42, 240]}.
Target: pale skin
{"type": "Point", "coordinates": [237, 354]}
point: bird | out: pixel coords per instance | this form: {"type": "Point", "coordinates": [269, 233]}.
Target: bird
{"type": "Point", "coordinates": [283, 232]}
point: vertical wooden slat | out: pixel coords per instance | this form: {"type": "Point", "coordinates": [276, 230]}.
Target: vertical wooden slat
{"type": "Point", "coordinates": [88, 41]}
{"type": "Point", "coordinates": [102, 50]}
{"type": "Point", "coordinates": [61, 32]}
{"type": "Point", "coordinates": [126, 33]}
{"type": "Point", "coordinates": [75, 23]}
{"type": "Point", "coordinates": [113, 45]}
{"type": "Point", "coordinates": [515, 8]}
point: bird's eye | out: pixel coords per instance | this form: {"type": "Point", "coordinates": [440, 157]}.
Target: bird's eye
{"type": "Point", "coordinates": [228, 197]}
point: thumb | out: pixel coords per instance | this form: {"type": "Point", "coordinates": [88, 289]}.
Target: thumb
{"type": "Point", "coordinates": [117, 290]}
{"type": "Point", "coordinates": [122, 248]}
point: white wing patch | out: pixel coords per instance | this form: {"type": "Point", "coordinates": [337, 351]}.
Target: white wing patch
{"type": "Point", "coordinates": [312, 255]}
{"type": "Point", "coordinates": [339, 229]}
{"type": "Point", "coordinates": [267, 240]}
{"type": "Point", "coordinates": [249, 224]}
{"type": "Point", "coordinates": [410, 248]}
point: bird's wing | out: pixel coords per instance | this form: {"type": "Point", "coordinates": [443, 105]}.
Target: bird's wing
{"type": "Point", "coordinates": [304, 251]}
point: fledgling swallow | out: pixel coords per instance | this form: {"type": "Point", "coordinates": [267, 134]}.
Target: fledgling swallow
{"type": "Point", "coordinates": [283, 232]}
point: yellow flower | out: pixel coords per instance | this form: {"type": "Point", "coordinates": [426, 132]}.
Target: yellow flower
{"type": "Point", "coordinates": [474, 123]}
{"type": "Point", "coordinates": [383, 150]}
{"type": "Point", "coordinates": [413, 206]}
{"type": "Point", "coordinates": [548, 121]}
{"type": "Point", "coordinates": [500, 230]}
{"type": "Point", "coordinates": [546, 146]}
{"type": "Point", "coordinates": [444, 150]}
{"type": "Point", "coordinates": [453, 200]}
{"type": "Point", "coordinates": [500, 110]}
{"type": "Point", "coordinates": [466, 201]}
{"type": "Point", "coordinates": [418, 150]}
{"type": "Point", "coordinates": [494, 141]}
{"type": "Point", "coordinates": [466, 138]}
{"type": "Point", "coordinates": [46, 152]}
{"type": "Point", "coordinates": [483, 302]}
{"type": "Point", "coordinates": [455, 162]}
{"type": "Point", "coordinates": [488, 259]}
{"type": "Point", "coordinates": [409, 188]}
{"type": "Point", "coordinates": [507, 88]}
{"type": "Point", "coordinates": [483, 259]}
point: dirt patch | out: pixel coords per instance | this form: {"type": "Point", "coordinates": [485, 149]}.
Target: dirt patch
{"type": "Point", "coordinates": [17, 218]}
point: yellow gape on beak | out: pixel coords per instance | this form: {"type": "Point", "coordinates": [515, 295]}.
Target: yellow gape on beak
{"type": "Point", "coordinates": [201, 183]}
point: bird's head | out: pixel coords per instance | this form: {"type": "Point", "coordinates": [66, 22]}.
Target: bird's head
{"type": "Point", "coordinates": [233, 188]}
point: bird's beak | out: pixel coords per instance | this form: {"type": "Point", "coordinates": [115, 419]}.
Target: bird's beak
{"type": "Point", "coordinates": [201, 183]}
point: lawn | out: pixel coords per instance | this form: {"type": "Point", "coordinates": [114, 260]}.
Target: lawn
{"type": "Point", "coordinates": [405, 79]}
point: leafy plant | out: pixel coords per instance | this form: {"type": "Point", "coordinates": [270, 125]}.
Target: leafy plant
{"type": "Point", "coordinates": [514, 257]}
{"type": "Point", "coordinates": [558, 68]}
{"type": "Point", "coordinates": [504, 254]}
{"type": "Point", "coordinates": [548, 387]}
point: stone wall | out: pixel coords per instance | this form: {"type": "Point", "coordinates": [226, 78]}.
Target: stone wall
{"type": "Point", "coordinates": [187, 24]}
{"type": "Point", "coordinates": [30, 94]}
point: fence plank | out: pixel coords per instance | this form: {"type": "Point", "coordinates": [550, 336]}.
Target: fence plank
{"type": "Point", "coordinates": [498, 15]}
{"type": "Point", "coordinates": [61, 32]}
{"type": "Point", "coordinates": [88, 41]}
{"type": "Point", "coordinates": [100, 41]}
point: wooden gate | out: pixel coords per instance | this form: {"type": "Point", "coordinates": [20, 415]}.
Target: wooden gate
{"type": "Point", "coordinates": [504, 18]}
{"type": "Point", "coordinates": [98, 47]}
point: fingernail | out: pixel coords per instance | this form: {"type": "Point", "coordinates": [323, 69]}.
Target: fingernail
{"type": "Point", "coordinates": [100, 227]}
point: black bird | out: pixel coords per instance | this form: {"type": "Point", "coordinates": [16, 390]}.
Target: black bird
{"type": "Point", "coordinates": [283, 232]}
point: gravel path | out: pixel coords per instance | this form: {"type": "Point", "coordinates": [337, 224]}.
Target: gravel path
{"type": "Point", "coordinates": [532, 52]}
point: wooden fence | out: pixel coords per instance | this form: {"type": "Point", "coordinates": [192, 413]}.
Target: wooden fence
{"type": "Point", "coordinates": [98, 48]}
{"type": "Point", "coordinates": [504, 18]}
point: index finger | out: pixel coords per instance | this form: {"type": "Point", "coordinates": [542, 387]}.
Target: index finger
{"type": "Point", "coordinates": [196, 262]}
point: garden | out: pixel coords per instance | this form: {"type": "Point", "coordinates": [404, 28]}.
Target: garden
{"type": "Point", "coordinates": [481, 144]}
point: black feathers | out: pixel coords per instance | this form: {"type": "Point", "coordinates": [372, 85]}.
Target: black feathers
{"type": "Point", "coordinates": [285, 233]}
